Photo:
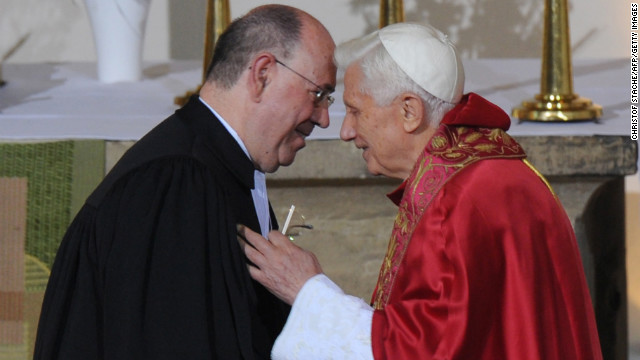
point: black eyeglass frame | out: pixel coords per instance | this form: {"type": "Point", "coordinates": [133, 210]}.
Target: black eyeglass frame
{"type": "Point", "coordinates": [322, 96]}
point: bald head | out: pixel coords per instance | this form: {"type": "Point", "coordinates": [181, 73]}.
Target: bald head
{"type": "Point", "coordinates": [277, 29]}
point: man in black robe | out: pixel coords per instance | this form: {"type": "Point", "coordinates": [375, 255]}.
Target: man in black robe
{"type": "Point", "coordinates": [150, 268]}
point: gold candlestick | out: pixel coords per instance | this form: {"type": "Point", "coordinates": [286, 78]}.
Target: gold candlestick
{"type": "Point", "coordinates": [218, 18]}
{"type": "Point", "coordinates": [556, 101]}
{"type": "Point", "coordinates": [391, 12]}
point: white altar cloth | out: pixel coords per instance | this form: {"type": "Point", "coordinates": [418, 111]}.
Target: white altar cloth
{"type": "Point", "coordinates": [66, 101]}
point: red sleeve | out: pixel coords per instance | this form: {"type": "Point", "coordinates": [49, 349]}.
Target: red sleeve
{"type": "Point", "coordinates": [492, 272]}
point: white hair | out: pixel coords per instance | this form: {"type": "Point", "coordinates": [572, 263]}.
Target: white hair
{"type": "Point", "coordinates": [383, 78]}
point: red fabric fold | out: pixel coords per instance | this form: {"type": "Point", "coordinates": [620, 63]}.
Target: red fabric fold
{"type": "Point", "coordinates": [474, 110]}
{"type": "Point", "coordinates": [482, 262]}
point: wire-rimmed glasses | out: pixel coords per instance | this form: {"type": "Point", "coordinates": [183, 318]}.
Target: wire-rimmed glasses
{"type": "Point", "coordinates": [322, 97]}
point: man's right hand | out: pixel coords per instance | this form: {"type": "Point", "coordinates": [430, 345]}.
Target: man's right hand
{"type": "Point", "coordinates": [278, 264]}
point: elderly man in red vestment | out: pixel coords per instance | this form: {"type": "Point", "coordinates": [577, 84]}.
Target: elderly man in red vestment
{"type": "Point", "coordinates": [482, 262]}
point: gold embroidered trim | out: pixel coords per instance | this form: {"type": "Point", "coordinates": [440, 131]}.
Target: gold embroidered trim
{"type": "Point", "coordinates": [544, 180]}
{"type": "Point", "coordinates": [449, 151]}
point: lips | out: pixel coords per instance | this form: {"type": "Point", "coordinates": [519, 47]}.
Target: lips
{"type": "Point", "coordinates": [360, 146]}
{"type": "Point", "coordinates": [302, 136]}
{"type": "Point", "coordinates": [302, 133]}
{"type": "Point", "coordinates": [304, 130]}
{"type": "Point", "coordinates": [364, 149]}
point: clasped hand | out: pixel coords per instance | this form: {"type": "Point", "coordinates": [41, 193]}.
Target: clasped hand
{"type": "Point", "coordinates": [278, 264]}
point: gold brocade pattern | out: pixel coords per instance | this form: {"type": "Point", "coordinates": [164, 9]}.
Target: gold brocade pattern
{"type": "Point", "coordinates": [448, 152]}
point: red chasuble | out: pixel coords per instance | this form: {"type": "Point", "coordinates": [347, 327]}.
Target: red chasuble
{"type": "Point", "coordinates": [482, 262]}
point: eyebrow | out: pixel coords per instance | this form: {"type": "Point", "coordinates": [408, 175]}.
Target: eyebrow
{"type": "Point", "coordinates": [349, 106]}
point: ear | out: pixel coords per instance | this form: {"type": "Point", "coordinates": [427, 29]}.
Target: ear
{"type": "Point", "coordinates": [413, 112]}
{"type": "Point", "coordinates": [260, 75]}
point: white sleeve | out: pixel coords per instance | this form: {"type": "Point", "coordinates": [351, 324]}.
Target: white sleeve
{"type": "Point", "coordinates": [325, 323]}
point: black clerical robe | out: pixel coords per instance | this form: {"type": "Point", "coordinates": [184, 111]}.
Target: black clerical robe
{"type": "Point", "coordinates": [150, 267]}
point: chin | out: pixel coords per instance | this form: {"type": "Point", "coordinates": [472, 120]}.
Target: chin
{"type": "Point", "coordinates": [287, 162]}
{"type": "Point", "coordinates": [271, 169]}
{"type": "Point", "coordinates": [288, 154]}
{"type": "Point", "coordinates": [376, 169]}
{"type": "Point", "coordinates": [373, 171]}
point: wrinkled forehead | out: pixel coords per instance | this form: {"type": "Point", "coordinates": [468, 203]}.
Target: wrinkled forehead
{"type": "Point", "coordinates": [354, 82]}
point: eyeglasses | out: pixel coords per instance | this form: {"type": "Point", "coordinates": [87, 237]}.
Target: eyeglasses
{"type": "Point", "coordinates": [322, 97]}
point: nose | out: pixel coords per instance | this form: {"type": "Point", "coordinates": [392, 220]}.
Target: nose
{"type": "Point", "coordinates": [320, 116]}
{"type": "Point", "coordinates": [347, 131]}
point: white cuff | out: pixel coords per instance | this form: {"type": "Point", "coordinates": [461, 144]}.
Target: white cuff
{"type": "Point", "coordinates": [325, 323]}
